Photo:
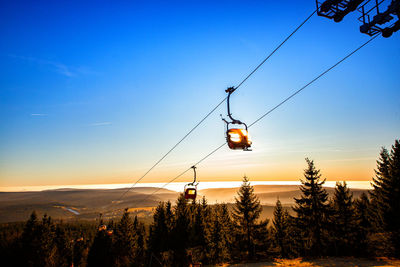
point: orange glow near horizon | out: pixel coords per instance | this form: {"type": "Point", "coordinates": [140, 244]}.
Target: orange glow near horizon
{"type": "Point", "coordinates": [276, 172]}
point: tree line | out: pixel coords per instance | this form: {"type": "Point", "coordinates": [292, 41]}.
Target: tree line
{"type": "Point", "coordinates": [196, 232]}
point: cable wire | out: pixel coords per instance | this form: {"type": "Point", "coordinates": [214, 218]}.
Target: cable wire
{"type": "Point", "coordinates": [182, 173]}
{"type": "Point", "coordinates": [212, 111]}
{"type": "Point", "coordinates": [169, 151]}
{"type": "Point", "coordinates": [276, 49]}
{"type": "Point", "coordinates": [312, 81]}
{"type": "Point", "coordinates": [265, 114]}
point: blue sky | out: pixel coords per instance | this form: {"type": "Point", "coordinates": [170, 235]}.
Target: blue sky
{"type": "Point", "coordinates": [96, 92]}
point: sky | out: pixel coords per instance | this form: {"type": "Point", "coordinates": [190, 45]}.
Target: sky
{"type": "Point", "coordinates": [97, 92]}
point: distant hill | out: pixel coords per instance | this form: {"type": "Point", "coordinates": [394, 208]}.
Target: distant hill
{"type": "Point", "coordinates": [77, 203]}
{"type": "Point", "coordinates": [268, 194]}
{"type": "Point", "coordinates": [87, 204]}
{"type": "Point", "coordinates": [227, 195]}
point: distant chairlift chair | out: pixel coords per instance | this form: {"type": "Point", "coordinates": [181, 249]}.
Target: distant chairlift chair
{"type": "Point", "coordinates": [191, 188]}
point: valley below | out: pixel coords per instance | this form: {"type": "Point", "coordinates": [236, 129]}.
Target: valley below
{"type": "Point", "coordinates": [87, 204]}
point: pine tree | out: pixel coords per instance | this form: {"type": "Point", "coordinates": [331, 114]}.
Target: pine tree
{"type": "Point", "coordinates": [295, 242]}
{"type": "Point", "coordinates": [343, 220]}
{"type": "Point", "coordinates": [386, 194]}
{"type": "Point", "coordinates": [124, 241]}
{"type": "Point", "coordinates": [199, 227]}
{"type": "Point", "coordinates": [169, 216]}
{"type": "Point", "coordinates": [312, 210]}
{"type": "Point", "coordinates": [100, 253]}
{"type": "Point", "coordinates": [198, 232]}
{"type": "Point", "coordinates": [363, 219]}
{"type": "Point", "coordinates": [216, 243]}
{"type": "Point", "coordinates": [219, 237]}
{"type": "Point", "coordinates": [227, 227]}
{"type": "Point", "coordinates": [180, 232]}
{"type": "Point", "coordinates": [170, 221]}
{"type": "Point", "coordinates": [206, 212]}
{"type": "Point", "coordinates": [38, 242]}
{"type": "Point", "coordinates": [381, 189]}
{"type": "Point", "coordinates": [28, 239]}
{"type": "Point", "coordinates": [280, 224]}
{"type": "Point", "coordinates": [158, 231]}
{"type": "Point", "coordinates": [246, 211]}
{"type": "Point", "coordinates": [80, 250]}
{"type": "Point", "coordinates": [48, 247]}
{"type": "Point", "coordinates": [139, 249]}
{"type": "Point", "coordinates": [64, 247]}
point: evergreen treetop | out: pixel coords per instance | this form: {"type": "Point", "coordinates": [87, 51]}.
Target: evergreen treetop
{"type": "Point", "coordinates": [343, 220]}
{"type": "Point", "coordinates": [386, 193]}
{"type": "Point", "coordinates": [246, 211]}
{"type": "Point", "coordinates": [247, 207]}
{"type": "Point", "coordinates": [280, 228]}
{"type": "Point", "coordinates": [312, 209]}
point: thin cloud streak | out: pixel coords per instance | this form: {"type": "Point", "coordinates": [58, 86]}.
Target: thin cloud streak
{"type": "Point", "coordinates": [349, 159]}
{"type": "Point", "coordinates": [60, 68]}
{"type": "Point", "coordinates": [100, 123]}
{"type": "Point", "coordinates": [39, 114]}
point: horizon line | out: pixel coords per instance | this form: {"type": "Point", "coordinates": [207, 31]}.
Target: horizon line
{"type": "Point", "coordinates": [177, 186]}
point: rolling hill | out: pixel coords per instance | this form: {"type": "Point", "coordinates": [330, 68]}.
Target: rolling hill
{"type": "Point", "coordinates": [77, 203]}
{"type": "Point", "coordinates": [268, 194]}
{"type": "Point", "coordinates": [87, 204]}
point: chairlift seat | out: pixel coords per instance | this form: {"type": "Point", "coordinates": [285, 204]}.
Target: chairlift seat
{"type": "Point", "coordinates": [190, 191]}
{"type": "Point", "coordinates": [238, 139]}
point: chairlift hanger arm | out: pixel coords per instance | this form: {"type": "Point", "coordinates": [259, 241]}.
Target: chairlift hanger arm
{"type": "Point", "coordinates": [230, 90]}
{"type": "Point", "coordinates": [194, 170]}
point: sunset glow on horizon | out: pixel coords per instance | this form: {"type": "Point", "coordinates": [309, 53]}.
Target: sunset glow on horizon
{"type": "Point", "coordinates": [177, 186]}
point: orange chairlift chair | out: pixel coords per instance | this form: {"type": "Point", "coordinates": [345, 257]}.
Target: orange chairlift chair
{"type": "Point", "coordinates": [237, 138]}
{"type": "Point", "coordinates": [191, 188]}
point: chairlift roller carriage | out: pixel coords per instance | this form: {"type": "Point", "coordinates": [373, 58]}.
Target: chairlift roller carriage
{"type": "Point", "coordinates": [337, 9]}
{"type": "Point", "coordinates": [237, 138]}
{"type": "Point", "coordinates": [374, 20]}
{"type": "Point", "coordinates": [191, 188]}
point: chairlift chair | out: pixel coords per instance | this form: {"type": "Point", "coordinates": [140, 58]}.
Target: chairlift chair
{"type": "Point", "coordinates": [191, 188]}
{"type": "Point", "coordinates": [237, 138]}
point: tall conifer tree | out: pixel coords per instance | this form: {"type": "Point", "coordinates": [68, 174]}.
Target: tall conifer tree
{"type": "Point", "coordinates": [198, 232]}
{"type": "Point", "coordinates": [38, 242]}
{"type": "Point", "coordinates": [219, 237]}
{"type": "Point", "coordinates": [100, 253]}
{"type": "Point", "coordinates": [227, 225]}
{"type": "Point", "coordinates": [386, 194]}
{"type": "Point", "coordinates": [312, 210]}
{"type": "Point", "coordinates": [158, 236]}
{"type": "Point", "coordinates": [29, 241]}
{"type": "Point", "coordinates": [139, 247]}
{"type": "Point", "coordinates": [180, 232]}
{"type": "Point", "coordinates": [124, 241]}
{"type": "Point", "coordinates": [280, 224]}
{"type": "Point", "coordinates": [363, 218]}
{"type": "Point", "coordinates": [381, 188]}
{"type": "Point", "coordinates": [343, 220]}
{"type": "Point", "coordinates": [246, 211]}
